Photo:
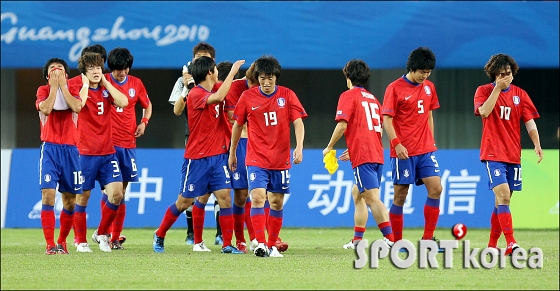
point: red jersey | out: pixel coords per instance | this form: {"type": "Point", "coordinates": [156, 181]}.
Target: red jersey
{"type": "Point", "coordinates": [410, 104]}
{"type": "Point", "coordinates": [210, 132]}
{"type": "Point", "coordinates": [268, 120]}
{"type": "Point", "coordinates": [60, 126]}
{"type": "Point", "coordinates": [501, 132]}
{"type": "Point", "coordinates": [235, 90]}
{"type": "Point", "coordinates": [95, 138]}
{"type": "Point", "coordinates": [124, 119]}
{"type": "Point", "coordinates": [361, 110]}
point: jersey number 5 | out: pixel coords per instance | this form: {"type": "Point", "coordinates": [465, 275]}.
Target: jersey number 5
{"type": "Point", "coordinates": [372, 112]}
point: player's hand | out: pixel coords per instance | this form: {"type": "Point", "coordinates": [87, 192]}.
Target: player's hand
{"type": "Point", "coordinates": [85, 80]}
{"type": "Point", "coordinates": [503, 83]}
{"type": "Point", "coordinates": [237, 65]}
{"type": "Point", "coordinates": [298, 155]}
{"type": "Point", "coordinates": [539, 152]}
{"type": "Point", "coordinates": [232, 162]}
{"type": "Point", "coordinates": [53, 80]}
{"type": "Point", "coordinates": [326, 151]}
{"type": "Point", "coordinates": [402, 152]}
{"type": "Point", "coordinates": [344, 156]}
{"type": "Point", "coordinates": [104, 81]}
{"type": "Point", "coordinates": [187, 78]}
{"type": "Point", "coordinates": [61, 78]}
{"type": "Point", "coordinates": [140, 129]}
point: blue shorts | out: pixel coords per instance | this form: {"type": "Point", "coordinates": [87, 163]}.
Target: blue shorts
{"type": "Point", "coordinates": [105, 169]}
{"type": "Point", "coordinates": [127, 164]}
{"type": "Point", "coordinates": [368, 176]}
{"type": "Point", "coordinates": [240, 174]}
{"type": "Point", "coordinates": [205, 175]}
{"type": "Point", "coordinates": [275, 181]}
{"type": "Point", "coordinates": [60, 164]}
{"type": "Point", "coordinates": [414, 169]}
{"type": "Point", "coordinates": [500, 173]}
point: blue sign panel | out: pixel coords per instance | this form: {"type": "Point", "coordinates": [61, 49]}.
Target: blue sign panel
{"type": "Point", "coordinates": [317, 199]}
{"type": "Point", "coordinates": [301, 34]}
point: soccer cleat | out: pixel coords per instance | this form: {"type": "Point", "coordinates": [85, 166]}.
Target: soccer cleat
{"type": "Point", "coordinates": [50, 250]}
{"type": "Point", "coordinates": [349, 246]}
{"type": "Point", "coordinates": [231, 250]}
{"type": "Point", "coordinates": [61, 248]}
{"type": "Point", "coordinates": [83, 248]}
{"type": "Point", "coordinates": [200, 247]}
{"type": "Point", "coordinates": [281, 246]}
{"type": "Point", "coordinates": [122, 239]}
{"type": "Point", "coordinates": [219, 240]}
{"type": "Point", "coordinates": [440, 250]}
{"type": "Point", "coordinates": [254, 244]}
{"type": "Point", "coordinates": [158, 243]}
{"type": "Point", "coordinates": [116, 245]}
{"type": "Point", "coordinates": [190, 239]}
{"type": "Point", "coordinates": [273, 252]}
{"type": "Point", "coordinates": [95, 237]}
{"type": "Point", "coordinates": [261, 250]}
{"type": "Point", "coordinates": [76, 243]}
{"type": "Point", "coordinates": [242, 246]}
{"type": "Point", "coordinates": [104, 243]}
{"type": "Point", "coordinates": [510, 248]}
{"type": "Point", "coordinates": [388, 242]}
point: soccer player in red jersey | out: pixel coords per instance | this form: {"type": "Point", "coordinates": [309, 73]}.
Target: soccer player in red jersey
{"type": "Point", "coordinates": [196, 212]}
{"type": "Point", "coordinates": [359, 120]}
{"type": "Point", "coordinates": [407, 118]}
{"type": "Point", "coordinates": [268, 111]}
{"type": "Point", "coordinates": [205, 160]}
{"type": "Point", "coordinates": [502, 106]}
{"type": "Point", "coordinates": [58, 105]}
{"type": "Point", "coordinates": [97, 153]}
{"type": "Point", "coordinates": [124, 127]}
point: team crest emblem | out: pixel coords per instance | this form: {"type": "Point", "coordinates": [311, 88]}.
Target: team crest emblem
{"type": "Point", "coordinates": [497, 172]}
{"type": "Point", "coordinates": [428, 90]}
{"type": "Point", "coordinates": [190, 187]}
{"type": "Point", "coordinates": [131, 92]}
{"type": "Point", "coordinates": [105, 93]}
{"type": "Point", "coordinates": [516, 100]}
{"type": "Point", "coordinates": [253, 176]}
{"type": "Point", "coordinates": [236, 176]}
{"type": "Point", "coordinates": [406, 173]}
{"type": "Point", "coordinates": [281, 102]}
{"type": "Point", "coordinates": [47, 178]}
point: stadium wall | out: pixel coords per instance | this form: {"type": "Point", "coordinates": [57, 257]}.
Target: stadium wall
{"type": "Point", "coordinates": [317, 199]}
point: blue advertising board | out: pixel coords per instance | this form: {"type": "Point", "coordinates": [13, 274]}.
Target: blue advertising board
{"type": "Point", "coordinates": [317, 199]}
{"type": "Point", "coordinates": [300, 34]}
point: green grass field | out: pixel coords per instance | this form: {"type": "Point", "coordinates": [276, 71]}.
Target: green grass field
{"type": "Point", "coordinates": [314, 260]}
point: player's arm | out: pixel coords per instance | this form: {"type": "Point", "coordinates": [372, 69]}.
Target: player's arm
{"type": "Point", "coordinates": [73, 103]}
{"type": "Point", "coordinates": [235, 136]}
{"type": "Point", "coordinates": [299, 130]}
{"type": "Point", "coordinates": [118, 97]}
{"type": "Point", "coordinates": [180, 104]}
{"type": "Point", "coordinates": [146, 115]}
{"type": "Point", "coordinates": [431, 124]}
{"type": "Point", "coordinates": [46, 106]}
{"type": "Point", "coordinates": [84, 90]}
{"type": "Point", "coordinates": [220, 95]}
{"type": "Point", "coordinates": [534, 135]}
{"type": "Point", "coordinates": [402, 152]}
{"type": "Point", "coordinates": [336, 135]}
{"type": "Point", "coordinates": [501, 83]}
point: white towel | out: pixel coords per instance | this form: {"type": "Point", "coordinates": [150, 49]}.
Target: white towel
{"type": "Point", "coordinates": [60, 102]}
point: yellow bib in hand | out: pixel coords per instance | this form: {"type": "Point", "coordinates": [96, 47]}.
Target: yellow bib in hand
{"type": "Point", "coordinates": [331, 162]}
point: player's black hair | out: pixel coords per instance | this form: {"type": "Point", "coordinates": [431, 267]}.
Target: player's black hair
{"type": "Point", "coordinates": [223, 70]}
{"type": "Point", "coordinates": [357, 71]}
{"type": "Point", "coordinates": [267, 65]}
{"type": "Point", "coordinates": [421, 58]}
{"type": "Point", "coordinates": [89, 59]}
{"type": "Point", "coordinates": [96, 48]}
{"type": "Point", "coordinates": [499, 62]}
{"type": "Point", "coordinates": [119, 59]}
{"type": "Point", "coordinates": [204, 47]}
{"type": "Point", "coordinates": [54, 60]}
{"type": "Point", "coordinates": [200, 68]}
